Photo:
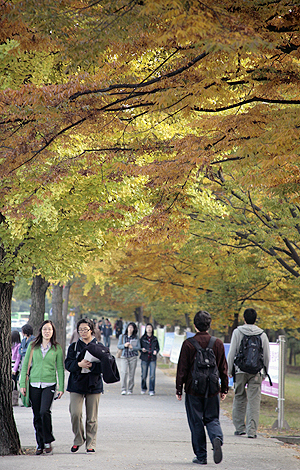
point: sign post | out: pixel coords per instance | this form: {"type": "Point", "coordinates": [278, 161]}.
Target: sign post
{"type": "Point", "coordinates": [281, 423]}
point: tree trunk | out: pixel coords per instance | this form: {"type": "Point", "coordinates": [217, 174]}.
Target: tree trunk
{"type": "Point", "coordinates": [138, 312]}
{"type": "Point", "coordinates": [39, 288]}
{"type": "Point", "coordinates": [65, 311]}
{"type": "Point", "coordinates": [57, 315]}
{"type": "Point", "coordinates": [9, 437]}
{"type": "Point", "coordinates": [187, 320]}
{"type": "Point", "coordinates": [234, 325]}
{"type": "Point", "coordinates": [291, 355]}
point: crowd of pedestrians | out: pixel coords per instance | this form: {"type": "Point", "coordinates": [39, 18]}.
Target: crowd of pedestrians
{"type": "Point", "coordinates": [40, 360]}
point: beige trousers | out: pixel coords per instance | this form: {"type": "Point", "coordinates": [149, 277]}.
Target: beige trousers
{"type": "Point", "coordinates": [246, 402]}
{"type": "Point", "coordinates": [91, 424]}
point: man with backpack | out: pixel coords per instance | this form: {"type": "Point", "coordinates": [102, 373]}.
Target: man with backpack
{"type": "Point", "coordinates": [248, 362]}
{"type": "Point", "coordinates": [201, 364]}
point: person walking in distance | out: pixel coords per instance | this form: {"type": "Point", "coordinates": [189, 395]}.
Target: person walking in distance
{"type": "Point", "coordinates": [16, 362]}
{"type": "Point", "coordinates": [27, 332]}
{"type": "Point", "coordinates": [203, 392]}
{"type": "Point", "coordinates": [246, 403]}
{"type": "Point", "coordinates": [149, 351]}
{"type": "Point", "coordinates": [106, 333]}
{"type": "Point", "coordinates": [130, 344]}
{"type": "Point", "coordinates": [119, 327]}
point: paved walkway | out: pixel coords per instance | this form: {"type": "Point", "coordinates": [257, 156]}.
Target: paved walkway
{"type": "Point", "coordinates": [143, 432]}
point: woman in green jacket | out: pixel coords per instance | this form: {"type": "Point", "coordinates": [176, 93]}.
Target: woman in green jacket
{"type": "Point", "coordinates": [47, 364]}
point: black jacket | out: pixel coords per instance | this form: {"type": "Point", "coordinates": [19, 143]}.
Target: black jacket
{"type": "Point", "coordinates": [108, 363]}
{"type": "Point", "coordinates": [151, 346]}
{"type": "Point", "coordinates": [78, 382]}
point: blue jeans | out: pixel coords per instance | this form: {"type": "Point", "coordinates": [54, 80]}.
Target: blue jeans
{"type": "Point", "coordinates": [145, 365]}
{"type": "Point", "coordinates": [106, 341]}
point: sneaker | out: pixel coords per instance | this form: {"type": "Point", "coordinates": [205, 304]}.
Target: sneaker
{"type": "Point", "coordinates": [151, 394]}
{"type": "Point", "coordinates": [143, 392]}
{"type": "Point", "coordinates": [48, 448]}
{"type": "Point", "coordinates": [38, 451]}
{"type": "Point", "coordinates": [239, 433]}
{"type": "Point", "coordinates": [252, 437]}
{"type": "Point", "coordinates": [74, 448]}
{"type": "Point", "coordinates": [129, 392]}
{"type": "Point", "coordinates": [89, 451]}
{"type": "Point", "coordinates": [217, 450]}
{"type": "Point", "coordinates": [200, 462]}
{"type": "Point", "coordinates": [123, 392]}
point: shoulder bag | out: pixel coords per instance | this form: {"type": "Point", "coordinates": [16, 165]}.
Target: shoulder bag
{"type": "Point", "coordinates": [119, 351]}
{"type": "Point", "coordinates": [25, 398]}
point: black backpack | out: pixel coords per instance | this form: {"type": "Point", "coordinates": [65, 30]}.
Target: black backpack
{"type": "Point", "coordinates": [250, 357]}
{"type": "Point", "coordinates": [205, 372]}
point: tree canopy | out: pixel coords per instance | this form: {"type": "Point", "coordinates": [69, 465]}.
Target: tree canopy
{"type": "Point", "coordinates": [152, 144]}
{"type": "Point", "coordinates": [150, 123]}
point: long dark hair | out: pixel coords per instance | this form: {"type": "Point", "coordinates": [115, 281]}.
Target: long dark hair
{"type": "Point", "coordinates": [134, 329]}
{"type": "Point", "coordinates": [15, 337]}
{"type": "Point", "coordinates": [145, 334]}
{"type": "Point", "coordinates": [38, 340]}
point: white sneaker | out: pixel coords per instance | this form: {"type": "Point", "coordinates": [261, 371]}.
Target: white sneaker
{"type": "Point", "coordinates": [123, 392]}
{"type": "Point", "coordinates": [151, 394]}
{"type": "Point", "coordinates": [143, 392]}
{"type": "Point", "coordinates": [129, 392]}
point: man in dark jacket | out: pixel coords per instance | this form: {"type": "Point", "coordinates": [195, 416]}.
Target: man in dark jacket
{"type": "Point", "coordinates": [106, 332]}
{"type": "Point", "coordinates": [202, 411]}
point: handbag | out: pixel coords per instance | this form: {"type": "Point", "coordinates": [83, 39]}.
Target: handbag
{"type": "Point", "coordinates": [25, 399]}
{"type": "Point", "coordinates": [119, 351]}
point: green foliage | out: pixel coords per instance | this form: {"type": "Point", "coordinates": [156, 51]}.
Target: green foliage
{"type": "Point", "coordinates": [144, 146]}
{"type": "Point", "coordinates": [21, 289]}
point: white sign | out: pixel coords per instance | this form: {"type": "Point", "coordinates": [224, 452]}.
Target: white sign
{"type": "Point", "coordinates": [266, 388]}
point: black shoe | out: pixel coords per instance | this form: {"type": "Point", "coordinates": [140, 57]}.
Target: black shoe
{"type": "Point", "coordinates": [200, 462]}
{"type": "Point", "coordinates": [253, 437]}
{"type": "Point", "coordinates": [48, 448]}
{"type": "Point", "coordinates": [239, 433]}
{"type": "Point", "coordinates": [90, 450]}
{"type": "Point", "coordinates": [74, 448]}
{"type": "Point", "coordinates": [217, 450]}
{"type": "Point", "coordinates": [38, 451]}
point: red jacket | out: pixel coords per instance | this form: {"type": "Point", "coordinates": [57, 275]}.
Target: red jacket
{"type": "Point", "coordinates": [186, 363]}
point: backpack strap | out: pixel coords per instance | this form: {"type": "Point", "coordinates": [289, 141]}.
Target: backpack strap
{"type": "Point", "coordinates": [211, 342]}
{"type": "Point", "coordinates": [195, 343]}
{"type": "Point", "coordinates": [265, 369]}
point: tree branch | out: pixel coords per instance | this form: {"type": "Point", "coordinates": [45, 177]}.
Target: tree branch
{"type": "Point", "coordinates": [255, 99]}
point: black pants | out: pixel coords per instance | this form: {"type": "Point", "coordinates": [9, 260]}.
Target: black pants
{"type": "Point", "coordinates": [41, 401]}
{"type": "Point", "coordinates": [203, 412]}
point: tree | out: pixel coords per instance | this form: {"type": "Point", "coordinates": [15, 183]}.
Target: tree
{"type": "Point", "coordinates": [39, 288]}
{"type": "Point", "coordinates": [57, 312]}
{"type": "Point", "coordinates": [199, 90]}
{"type": "Point", "coordinates": [9, 438]}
